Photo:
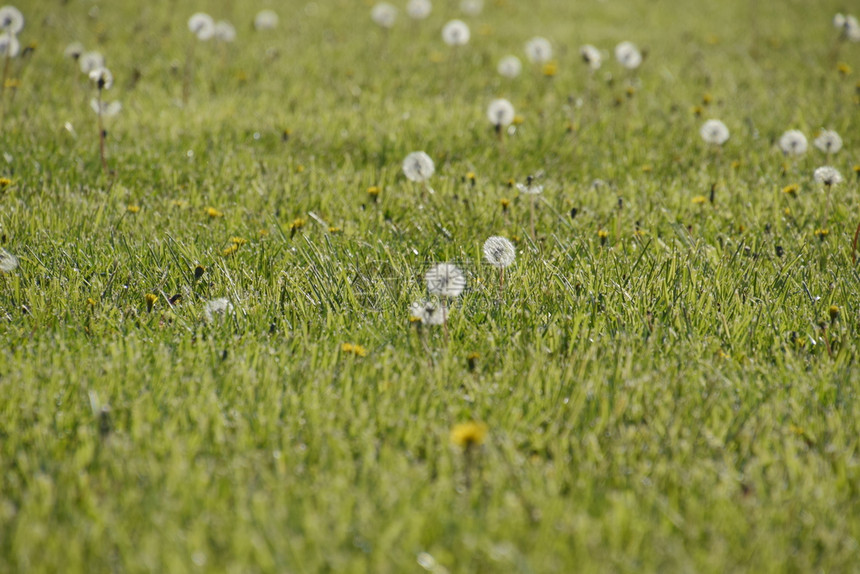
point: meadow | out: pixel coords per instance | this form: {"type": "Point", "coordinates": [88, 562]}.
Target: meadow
{"type": "Point", "coordinates": [210, 357]}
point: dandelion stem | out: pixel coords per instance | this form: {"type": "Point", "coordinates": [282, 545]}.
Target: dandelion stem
{"type": "Point", "coordinates": [101, 133]}
{"type": "Point", "coordinates": [186, 80]}
{"type": "Point", "coordinates": [532, 219]}
{"type": "Point", "coordinates": [501, 281]}
{"type": "Point", "coordinates": [854, 245]}
{"type": "Point", "coordinates": [445, 319]}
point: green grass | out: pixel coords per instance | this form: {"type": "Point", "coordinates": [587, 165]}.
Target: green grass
{"type": "Point", "coordinates": [673, 397]}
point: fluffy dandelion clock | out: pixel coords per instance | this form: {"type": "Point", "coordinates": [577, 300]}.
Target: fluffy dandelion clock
{"type": "Point", "coordinates": [471, 7]}
{"type": "Point", "coordinates": [839, 21]}
{"type": "Point", "coordinates": [530, 188]}
{"type": "Point", "coordinates": [9, 46]}
{"type": "Point", "coordinates": [828, 141]}
{"type": "Point", "coordinates": [384, 14]}
{"type": "Point", "coordinates": [107, 110]}
{"type": "Point", "coordinates": [538, 50]}
{"type": "Point", "coordinates": [74, 51]}
{"type": "Point", "coordinates": [102, 78]}
{"type": "Point", "coordinates": [445, 280]}
{"type": "Point", "coordinates": [456, 33]}
{"type": "Point", "coordinates": [202, 25]}
{"type": "Point", "coordinates": [714, 132]}
{"type": "Point", "coordinates": [429, 312]}
{"type": "Point", "coordinates": [418, 167]}
{"type": "Point", "coordinates": [793, 142]}
{"type": "Point", "coordinates": [8, 262]}
{"type": "Point", "coordinates": [224, 31]}
{"type": "Point", "coordinates": [628, 55]}
{"type": "Point", "coordinates": [591, 56]}
{"type": "Point", "coordinates": [827, 175]}
{"type": "Point", "coordinates": [419, 9]}
{"type": "Point", "coordinates": [510, 67]}
{"type": "Point", "coordinates": [217, 309]}
{"type": "Point", "coordinates": [500, 112]}
{"type": "Point", "coordinates": [11, 20]}
{"type": "Point", "coordinates": [499, 252]}
{"type": "Point", "coordinates": [89, 61]}
{"type": "Point", "coordinates": [266, 20]}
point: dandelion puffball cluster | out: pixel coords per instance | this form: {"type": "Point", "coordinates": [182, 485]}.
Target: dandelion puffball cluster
{"type": "Point", "coordinates": [8, 262]}
{"type": "Point", "coordinates": [828, 141]}
{"type": "Point", "coordinates": [499, 252]}
{"type": "Point", "coordinates": [510, 67]}
{"type": "Point", "coordinates": [419, 9]}
{"type": "Point", "coordinates": [202, 25]}
{"type": "Point", "coordinates": [11, 24]}
{"type": "Point", "coordinates": [418, 167]}
{"type": "Point", "coordinates": [848, 27]}
{"type": "Point", "coordinates": [714, 132]}
{"type": "Point", "coordinates": [793, 142]}
{"type": "Point", "coordinates": [383, 14]}
{"type": "Point", "coordinates": [217, 309]}
{"type": "Point", "coordinates": [500, 112]}
{"type": "Point", "coordinates": [591, 56]}
{"type": "Point", "coordinates": [538, 50]}
{"type": "Point", "coordinates": [628, 55]}
{"type": "Point", "coordinates": [456, 33]}
{"type": "Point", "coordinates": [827, 175]}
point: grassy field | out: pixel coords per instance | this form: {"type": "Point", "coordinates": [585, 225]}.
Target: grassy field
{"type": "Point", "coordinates": [668, 380]}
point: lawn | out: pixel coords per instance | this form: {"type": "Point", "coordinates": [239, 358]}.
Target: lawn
{"type": "Point", "coordinates": [220, 351]}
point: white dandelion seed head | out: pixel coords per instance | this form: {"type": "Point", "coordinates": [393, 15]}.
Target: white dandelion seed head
{"type": "Point", "coordinates": [499, 251]}
{"type": "Point", "coordinates": [471, 7]}
{"type": "Point", "coordinates": [8, 262]}
{"type": "Point", "coordinates": [838, 21]}
{"type": "Point", "coordinates": [418, 167]}
{"type": "Point", "coordinates": [217, 309]}
{"type": "Point", "coordinates": [530, 188]}
{"type": "Point", "coordinates": [384, 14]}
{"type": "Point", "coordinates": [852, 29]}
{"type": "Point", "coordinates": [102, 78]}
{"type": "Point", "coordinates": [11, 20]}
{"type": "Point", "coordinates": [9, 45]}
{"type": "Point", "coordinates": [828, 141]}
{"type": "Point", "coordinates": [628, 55]}
{"type": "Point", "coordinates": [107, 110]}
{"type": "Point", "coordinates": [591, 56]}
{"type": "Point", "coordinates": [827, 175]}
{"type": "Point", "coordinates": [89, 61]}
{"type": "Point", "coordinates": [266, 20]}
{"type": "Point", "coordinates": [224, 31]}
{"type": "Point", "coordinates": [793, 142]}
{"type": "Point", "coordinates": [456, 33]}
{"type": "Point", "coordinates": [419, 9]}
{"type": "Point", "coordinates": [538, 50]}
{"type": "Point", "coordinates": [202, 25]}
{"type": "Point", "coordinates": [445, 280]}
{"type": "Point", "coordinates": [510, 67]}
{"type": "Point", "coordinates": [429, 312]}
{"type": "Point", "coordinates": [500, 112]}
{"type": "Point", "coordinates": [74, 50]}
{"type": "Point", "coordinates": [714, 132]}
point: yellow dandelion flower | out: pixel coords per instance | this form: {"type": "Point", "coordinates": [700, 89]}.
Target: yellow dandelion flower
{"type": "Point", "coordinates": [602, 233]}
{"type": "Point", "coordinates": [230, 250]}
{"type": "Point", "coordinates": [213, 213]}
{"type": "Point", "coordinates": [700, 199]}
{"type": "Point", "coordinates": [352, 348]}
{"type": "Point", "coordinates": [91, 302]}
{"type": "Point", "coordinates": [150, 298]}
{"type": "Point", "coordinates": [469, 434]}
{"type": "Point", "coordinates": [550, 69]}
{"type": "Point", "coordinates": [472, 360]}
{"type": "Point", "coordinates": [822, 234]}
{"type": "Point", "coordinates": [518, 120]}
{"type": "Point", "coordinates": [843, 69]}
{"type": "Point", "coordinates": [630, 91]}
{"type": "Point", "coordinates": [470, 177]}
{"type": "Point", "coordinates": [12, 83]}
{"type": "Point", "coordinates": [335, 230]}
{"type": "Point", "coordinates": [132, 208]}
{"type": "Point", "coordinates": [697, 110]}
{"type": "Point", "coordinates": [712, 39]}
{"type": "Point", "coordinates": [300, 168]}
{"type": "Point", "coordinates": [5, 182]}
{"type": "Point", "coordinates": [297, 223]}
{"type": "Point", "coordinates": [374, 191]}
{"type": "Point", "coordinates": [736, 164]}
{"type": "Point", "coordinates": [238, 240]}
{"type": "Point", "coordinates": [833, 311]}
{"type": "Point", "coordinates": [791, 189]}
{"type": "Point", "coordinates": [647, 169]}
{"type": "Point", "coordinates": [707, 99]}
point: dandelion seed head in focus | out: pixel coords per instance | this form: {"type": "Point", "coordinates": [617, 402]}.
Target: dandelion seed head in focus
{"type": "Point", "coordinates": [418, 167]}
{"type": "Point", "coordinates": [827, 175]}
{"type": "Point", "coordinates": [499, 251]}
